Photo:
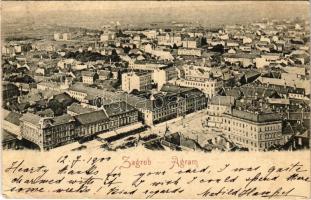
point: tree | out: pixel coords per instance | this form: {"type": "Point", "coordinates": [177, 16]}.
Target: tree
{"type": "Point", "coordinates": [175, 46]}
{"type": "Point", "coordinates": [203, 41]}
{"type": "Point", "coordinates": [126, 49]}
{"type": "Point", "coordinates": [57, 107]}
{"type": "Point", "coordinates": [218, 48]}
{"type": "Point", "coordinates": [114, 56]}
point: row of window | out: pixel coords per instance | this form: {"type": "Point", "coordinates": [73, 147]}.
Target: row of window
{"type": "Point", "coordinates": [260, 129]}
{"type": "Point", "coordinates": [79, 94]}
{"type": "Point", "coordinates": [199, 84]}
{"type": "Point", "coordinates": [253, 135]}
{"type": "Point", "coordinates": [250, 143]}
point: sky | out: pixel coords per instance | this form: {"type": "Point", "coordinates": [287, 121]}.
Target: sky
{"type": "Point", "coordinates": [144, 11]}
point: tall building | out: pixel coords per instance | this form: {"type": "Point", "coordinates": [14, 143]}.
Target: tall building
{"type": "Point", "coordinates": [48, 133]}
{"type": "Point", "coordinates": [162, 76]}
{"type": "Point", "coordinates": [217, 106]}
{"type": "Point", "coordinates": [140, 81]}
{"type": "Point", "coordinates": [253, 130]}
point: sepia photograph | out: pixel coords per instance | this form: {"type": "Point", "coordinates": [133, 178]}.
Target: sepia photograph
{"type": "Point", "coordinates": [100, 77]}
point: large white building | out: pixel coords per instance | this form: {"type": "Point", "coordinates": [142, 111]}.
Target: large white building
{"type": "Point", "coordinates": [140, 81]}
{"type": "Point", "coordinates": [255, 131]}
{"type": "Point", "coordinates": [215, 109]}
{"type": "Point", "coordinates": [162, 76]}
{"type": "Point", "coordinates": [199, 77]}
{"type": "Point", "coordinates": [106, 36]}
{"type": "Point", "coordinates": [209, 87]}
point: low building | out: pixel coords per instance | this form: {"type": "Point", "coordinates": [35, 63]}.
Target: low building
{"type": "Point", "coordinates": [62, 36]}
{"type": "Point", "coordinates": [89, 77]}
{"type": "Point", "coordinates": [89, 95]}
{"type": "Point", "coordinates": [54, 86]}
{"type": "Point", "coordinates": [255, 131]}
{"type": "Point", "coordinates": [104, 75]}
{"type": "Point", "coordinates": [191, 42]}
{"type": "Point", "coordinates": [10, 141]}
{"type": "Point", "coordinates": [107, 36]}
{"type": "Point", "coordinates": [189, 52]}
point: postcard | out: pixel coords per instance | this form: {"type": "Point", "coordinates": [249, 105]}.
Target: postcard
{"type": "Point", "coordinates": [155, 99]}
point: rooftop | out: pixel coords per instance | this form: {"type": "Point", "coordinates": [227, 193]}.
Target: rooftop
{"type": "Point", "coordinates": [79, 109]}
{"type": "Point", "coordinates": [118, 108]}
{"type": "Point", "coordinates": [91, 117]}
{"type": "Point", "coordinates": [88, 73]}
{"type": "Point", "coordinates": [255, 117]}
{"type": "Point", "coordinates": [222, 100]}
{"type": "Point", "coordinates": [13, 118]}
{"type": "Point", "coordinates": [31, 118]}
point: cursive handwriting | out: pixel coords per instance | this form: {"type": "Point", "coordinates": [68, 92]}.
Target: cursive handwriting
{"type": "Point", "coordinates": [136, 177]}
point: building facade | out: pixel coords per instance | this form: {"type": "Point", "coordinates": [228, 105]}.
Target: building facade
{"type": "Point", "coordinates": [189, 52]}
{"type": "Point", "coordinates": [215, 109]}
{"type": "Point", "coordinates": [255, 131]}
{"type": "Point", "coordinates": [51, 132]}
{"type": "Point", "coordinates": [169, 103]}
{"type": "Point", "coordinates": [140, 81]}
{"type": "Point", "coordinates": [48, 133]}
{"type": "Point", "coordinates": [209, 87]}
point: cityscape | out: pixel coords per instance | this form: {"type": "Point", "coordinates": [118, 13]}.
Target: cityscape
{"type": "Point", "coordinates": [75, 80]}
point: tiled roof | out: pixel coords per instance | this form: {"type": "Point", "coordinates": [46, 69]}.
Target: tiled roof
{"type": "Point", "coordinates": [222, 100]}
{"type": "Point", "coordinates": [31, 118]}
{"type": "Point", "coordinates": [87, 73]}
{"type": "Point", "coordinates": [63, 119]}
{"type": "Point", "coordinates": [13, 118]}
{"type": "Point", "coordinates": [78, 109]}
{"type": "Point", "coordinates": [118, 108]}
{"type": "Point", "coordinates": [256, 117]}
{"type": "Point", "coordinates": [6, 136]}
{"type": "Point", "coordinates": [92, 117]}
